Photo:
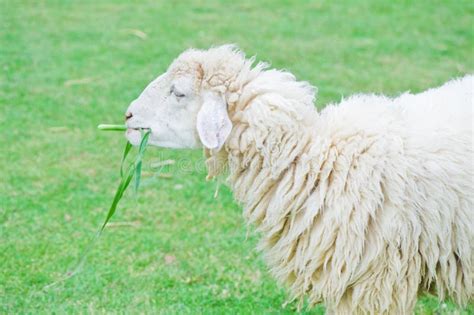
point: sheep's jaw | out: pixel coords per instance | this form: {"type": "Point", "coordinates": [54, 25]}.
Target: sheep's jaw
{"type": "Point", "coordinates": [134, 135]}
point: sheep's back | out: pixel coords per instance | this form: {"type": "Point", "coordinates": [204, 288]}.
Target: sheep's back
{"type": "Point", "coordinates": [366, 205]}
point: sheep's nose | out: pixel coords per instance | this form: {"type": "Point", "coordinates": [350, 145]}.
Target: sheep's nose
{"type": "Point", "coordinates": [128, 115]}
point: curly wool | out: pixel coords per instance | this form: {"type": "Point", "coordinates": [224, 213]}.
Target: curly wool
{"type": "Point", "coordinates": [363, 206]}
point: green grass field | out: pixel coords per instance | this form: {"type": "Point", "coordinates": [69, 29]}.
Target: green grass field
{"type": "Point", "coordinates": [66, 66]}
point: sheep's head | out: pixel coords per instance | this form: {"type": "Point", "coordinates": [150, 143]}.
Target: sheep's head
{"type": "Point", "coordinates": [186, 107]}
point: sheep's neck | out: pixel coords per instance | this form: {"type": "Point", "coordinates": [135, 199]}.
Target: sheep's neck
{"type": "Point", "coordinates": [271, 133]}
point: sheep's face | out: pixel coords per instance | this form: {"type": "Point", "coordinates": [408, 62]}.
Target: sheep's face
{"type": "Point", "coordinates": [179, 114]}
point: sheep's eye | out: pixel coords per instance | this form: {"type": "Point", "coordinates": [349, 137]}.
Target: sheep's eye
{"type": "Point", "coordinates": [175, 92]}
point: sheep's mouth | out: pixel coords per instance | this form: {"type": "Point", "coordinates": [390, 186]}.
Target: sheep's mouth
{"type": "Point", "coordinates": [139, 128]}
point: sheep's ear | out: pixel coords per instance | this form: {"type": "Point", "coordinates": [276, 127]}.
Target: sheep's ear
{"type": "Point", "coordinates": [213, 123]}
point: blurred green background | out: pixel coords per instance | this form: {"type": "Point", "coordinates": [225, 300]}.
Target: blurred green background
{"type": "Point", "coordinates": [66, 66]}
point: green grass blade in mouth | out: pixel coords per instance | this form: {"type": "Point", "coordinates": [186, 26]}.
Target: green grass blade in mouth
{"type": "Point", "coordinates": [125, 181]}
{"type": "Point", "coordinates": [128, 147]}
{"type": "Point", "coordinates": [134, 169]}
{"type": "Point", "coordinates": [109, 127]}
{"type": "Point", "coordinates": [138, 163]}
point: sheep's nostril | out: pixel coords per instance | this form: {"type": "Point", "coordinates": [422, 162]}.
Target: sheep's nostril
{"type": "Point", "coordinates": [128, 115]}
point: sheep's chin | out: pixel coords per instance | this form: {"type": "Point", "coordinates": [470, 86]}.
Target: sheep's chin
{"type": "Point", "coordinates": [133, 136]}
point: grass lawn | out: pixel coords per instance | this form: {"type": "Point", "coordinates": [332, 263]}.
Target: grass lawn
{"type": "Point", "coordinates": [66, 66]}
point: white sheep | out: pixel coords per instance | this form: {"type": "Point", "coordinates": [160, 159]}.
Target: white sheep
{"type": "Point", "coordinates": [362, 206]}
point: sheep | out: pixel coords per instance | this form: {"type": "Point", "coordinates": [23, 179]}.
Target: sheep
{"type": "Point", "coordinates": [362, 206]}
